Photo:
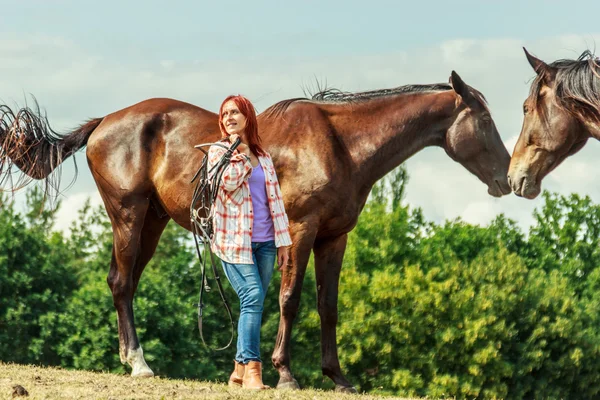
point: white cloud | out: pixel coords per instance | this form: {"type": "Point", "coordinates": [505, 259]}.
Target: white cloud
{"type": "Point", "coordinates": [480, 212]}
{"type": "Point", "coordinates": [70, 207]}
{"type": "Point", "coordinates": [167, 64]}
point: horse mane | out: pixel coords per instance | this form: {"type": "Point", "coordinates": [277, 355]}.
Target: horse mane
{"type": "Point", "coordinates": [577, 85]}
{"type": "Point", "coordinates": [336, 96]}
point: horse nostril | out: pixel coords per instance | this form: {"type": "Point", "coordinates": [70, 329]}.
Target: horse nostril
{"type": "Point", "coordinates": [509, 181]}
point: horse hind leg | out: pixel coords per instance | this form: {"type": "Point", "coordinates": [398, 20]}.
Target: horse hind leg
{"type": "Point", "coordinates": [127, 218]}
{"type": "Point", "coordinates": [130, 351]}
{"type": "Point", "coordinates": [154, 225]}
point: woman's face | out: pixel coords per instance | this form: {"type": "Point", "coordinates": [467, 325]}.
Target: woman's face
{"type": "Point", "coordinates": [233, 120]}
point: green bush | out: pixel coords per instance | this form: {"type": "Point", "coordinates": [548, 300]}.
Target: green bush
{"type": "Point", "coordinates": [450, 310]}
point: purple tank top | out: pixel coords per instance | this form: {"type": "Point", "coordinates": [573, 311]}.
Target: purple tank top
{"type": "Point", "coordinates": [262, 228]}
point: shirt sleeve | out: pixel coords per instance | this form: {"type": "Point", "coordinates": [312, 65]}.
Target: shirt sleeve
{"type": "Point", "coordinates": [283, 238]}
{"type": "Point", "coordinates": [280, 195]}
{"type": "Point", "coordinates": [239, 168]}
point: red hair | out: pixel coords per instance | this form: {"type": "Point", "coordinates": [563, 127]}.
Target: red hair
{"type": "Point", "coordinates": [251, 129]}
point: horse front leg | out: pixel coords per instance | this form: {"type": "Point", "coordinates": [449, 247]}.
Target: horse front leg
{"type": "Point", "coordinates": [329, 254]}
{"type": "Point", "coordinates": [303, 236]}
{"type": "Point", "coordinates": [127, 226]}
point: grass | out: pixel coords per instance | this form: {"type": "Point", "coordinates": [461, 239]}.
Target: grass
{"type": "Point", "coordinates": [57, 383]}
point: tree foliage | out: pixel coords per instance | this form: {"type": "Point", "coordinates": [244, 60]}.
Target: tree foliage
{"type": "Point", "coordinates": [436, 310]}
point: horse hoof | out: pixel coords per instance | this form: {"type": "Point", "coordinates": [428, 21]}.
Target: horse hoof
{"type": "Point", "coordinates": [142, 373]}
{"type": "Point", "coordinates": [289, 385]}
{"type": "Point", "coordinates": [139, 368]}
{"type": "Point", "coordinates": [345, 389]}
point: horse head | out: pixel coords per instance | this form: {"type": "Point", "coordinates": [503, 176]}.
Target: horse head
{"type": "Point", "coordinates": [473, 139]}
{"type": "Point", "coordinates": [562, 106]}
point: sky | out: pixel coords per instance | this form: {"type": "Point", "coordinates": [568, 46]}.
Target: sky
{"type": "Point", "coordinates": [89, 59]}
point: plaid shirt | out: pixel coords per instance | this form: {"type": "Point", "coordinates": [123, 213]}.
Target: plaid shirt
{"type": "Point", "coordinates": [232, 212]}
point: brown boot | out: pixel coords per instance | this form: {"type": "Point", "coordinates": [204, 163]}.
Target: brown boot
{"type": "Point", "coordinates": [237, 376]}
{"type": "Point", "coordinates": [253, 376]}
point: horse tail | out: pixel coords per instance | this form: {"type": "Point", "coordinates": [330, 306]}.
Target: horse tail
{"type": "Point", "coordinates": [28, 143]}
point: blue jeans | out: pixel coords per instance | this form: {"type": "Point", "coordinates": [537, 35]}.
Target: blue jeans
{"type": "Point", "coordinates": [250, 282]}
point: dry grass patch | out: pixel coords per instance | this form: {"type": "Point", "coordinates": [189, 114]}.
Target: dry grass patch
{"type": "Point", "coordinates": [57, 383]}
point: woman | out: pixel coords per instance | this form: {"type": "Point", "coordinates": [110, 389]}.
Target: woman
{"type": "Point", "coordinates": [250, 229]}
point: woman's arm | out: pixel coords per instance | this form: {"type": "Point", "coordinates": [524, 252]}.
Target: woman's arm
{"type": "Point", "coordinates": [234, 174]}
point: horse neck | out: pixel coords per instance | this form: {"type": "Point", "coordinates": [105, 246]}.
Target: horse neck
{"type": "Point", "coordinates": [387, 131]}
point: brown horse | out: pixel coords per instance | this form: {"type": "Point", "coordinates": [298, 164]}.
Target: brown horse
{"type": "Point", "coordinates": [561, 113]}
{"type": "Point", "coordinates": [328, 153]}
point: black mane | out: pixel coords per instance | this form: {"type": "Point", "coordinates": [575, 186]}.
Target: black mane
{"type": "Point", "coordinates": [336, 96]}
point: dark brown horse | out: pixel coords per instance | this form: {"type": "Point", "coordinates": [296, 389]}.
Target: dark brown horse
{"type": "Point", "coordinates": [561, 113]}
{"type": "Point", "coordinates": [328, 152]}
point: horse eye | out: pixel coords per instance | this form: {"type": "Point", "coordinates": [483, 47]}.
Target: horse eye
{"type": "Point", "coordinates": [525, 109]}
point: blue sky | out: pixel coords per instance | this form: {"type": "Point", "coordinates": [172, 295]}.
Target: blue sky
{"type": "Point", "coordinates": [153, 30]}
{"type": "Point", "coordinates": [88, 59]}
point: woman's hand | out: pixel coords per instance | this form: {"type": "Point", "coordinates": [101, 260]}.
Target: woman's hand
{"type": "Point", "coordinates": [283, 256]}
{"type": "Point", "coordinates": [242, 147]}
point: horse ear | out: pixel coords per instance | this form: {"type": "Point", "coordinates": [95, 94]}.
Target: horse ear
{"type": "Point", "coordinates": [459, 86]}
{"type": "Point", "coordinates": [538, 65]}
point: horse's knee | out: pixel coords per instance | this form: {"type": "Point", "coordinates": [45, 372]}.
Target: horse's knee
{"type": "Point", "coordinates": [329, 317]}
{"type": "Point", "coordinates": [112, 272]}
{"type": "Point", "coordinates": [121, 289]}
{"type": "Point", "coordinates": [289, 305]}
{"type": "Point", "coordinates": [328, 309]}
{"type": "Point", "coordinates": [111, 280]}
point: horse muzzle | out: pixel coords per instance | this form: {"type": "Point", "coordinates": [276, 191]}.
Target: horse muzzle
{"type": "Point", "coordinates": [523, 184]}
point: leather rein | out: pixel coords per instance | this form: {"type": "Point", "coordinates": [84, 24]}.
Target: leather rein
{"type": "Point", "coordinates": [203, 199]}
